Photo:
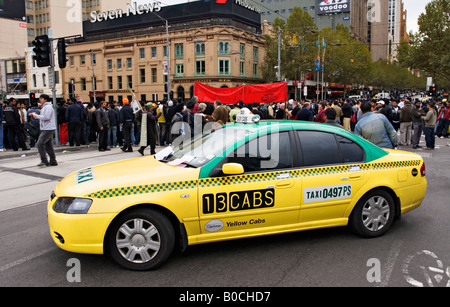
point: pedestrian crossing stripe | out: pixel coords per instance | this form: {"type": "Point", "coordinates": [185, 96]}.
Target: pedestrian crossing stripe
{"type": "Point", "coordinates": [248, 178]}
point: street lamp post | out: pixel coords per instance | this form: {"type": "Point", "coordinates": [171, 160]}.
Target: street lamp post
{"type": "Point", "coordinates": [168, 60]}
{"type": "Point", "coordinates": [168, 54]}
{"type": "Point", "coordinates": [94, 83]}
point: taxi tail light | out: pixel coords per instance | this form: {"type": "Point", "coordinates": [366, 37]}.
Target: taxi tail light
{"type": "Point", "coordinates": [422, 170]}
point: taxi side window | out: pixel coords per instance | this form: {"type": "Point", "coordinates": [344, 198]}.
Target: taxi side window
{"type": "Point", "coordinates": [270, 152]}
{"type": "Point", "coordinates": [351, 152]}
{"type": "Point", "coordinates": [319, 148]}
{"type": "Point", "coordinates": [323, 148]}
{"type": "Point", "coordinates": [265, 153]}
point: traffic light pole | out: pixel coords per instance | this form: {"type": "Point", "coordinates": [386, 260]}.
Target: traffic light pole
{"type": "Point", "coordinates": [52, 73]}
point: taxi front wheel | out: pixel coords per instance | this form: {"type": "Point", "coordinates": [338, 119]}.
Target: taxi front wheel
{"type": "Point", "coordinates": [373, 214]}
{"type": "Point", "coordinates": [141, 240]}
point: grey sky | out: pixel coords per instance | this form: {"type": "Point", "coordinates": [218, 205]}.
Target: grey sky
{"type": "Point", "coordinates": [414, 9]}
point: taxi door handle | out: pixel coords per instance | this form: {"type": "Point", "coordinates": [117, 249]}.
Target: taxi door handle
{"type": "Point", "coordinates": [355, 176]}
{"type": "Point", "coordinates": [285, 184]}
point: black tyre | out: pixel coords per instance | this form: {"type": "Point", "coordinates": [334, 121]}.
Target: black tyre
{"type": "Point", "coordinates": [373, 214]}
{"type": "Point", "coordinates": [141, 240]}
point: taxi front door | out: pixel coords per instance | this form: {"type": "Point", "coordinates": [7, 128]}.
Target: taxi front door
{"type": "Point", "coordinates": [265, 196]}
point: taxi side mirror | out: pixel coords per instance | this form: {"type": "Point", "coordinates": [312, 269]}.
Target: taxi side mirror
{"type": "Point", "coordinates": [232, 169]}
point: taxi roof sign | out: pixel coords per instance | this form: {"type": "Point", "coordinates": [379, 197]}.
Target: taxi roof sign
{"type": "Point", "coordinates": [245, 116]}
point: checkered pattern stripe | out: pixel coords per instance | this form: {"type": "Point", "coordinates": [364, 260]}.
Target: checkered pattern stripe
{"type": "Point", "coordinates": [144, 189]}
{"type": "Point", "coordinates": [220, 181]}
{"type": "Point", "coordinates": [250, 178]}
{"type": "Point", "coordinates": [385, 165]}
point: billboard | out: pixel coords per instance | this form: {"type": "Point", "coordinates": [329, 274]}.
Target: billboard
{"type": "Point", "coordinates": [332, 6]}
{"type": "Point", "coordinates": [12, 9]}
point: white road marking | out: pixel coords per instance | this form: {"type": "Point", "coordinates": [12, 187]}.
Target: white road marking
{"type": "Point", "coordinates": [393, 255]}
{"type": "Point", "coordinates": [25, 259]}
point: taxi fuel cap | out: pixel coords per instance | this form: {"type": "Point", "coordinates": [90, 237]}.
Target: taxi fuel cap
{"type": "Point", "coordinates": [245, 116]}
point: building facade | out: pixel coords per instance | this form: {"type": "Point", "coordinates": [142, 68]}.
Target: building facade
{"type": "Point", "coordinates": [216, 43]}
{"type": "Point", "coordinates": [367, 20]}
{"type": "Point", "coordinates": [397, 27]}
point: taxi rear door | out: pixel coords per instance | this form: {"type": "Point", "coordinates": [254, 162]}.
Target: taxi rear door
{"type": "Point", "coordinates": [333, 173]}
{"type": "Point", "coordinates": [265, 195]}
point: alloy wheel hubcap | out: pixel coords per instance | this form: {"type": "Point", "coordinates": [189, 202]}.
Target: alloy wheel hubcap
{"type": "Point", "coordinates": [138, 240]}
{"type": "Point", "coordinates": [375, 213]}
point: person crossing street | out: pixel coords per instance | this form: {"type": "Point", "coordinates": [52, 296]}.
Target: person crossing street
{"type": "Point", "coordinates": [48, 126]}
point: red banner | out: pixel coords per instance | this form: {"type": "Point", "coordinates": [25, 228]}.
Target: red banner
{"type": "Point", "coordinates": [260, 93]}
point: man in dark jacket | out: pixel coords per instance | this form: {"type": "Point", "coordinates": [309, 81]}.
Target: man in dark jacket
{"type": "Point", "coordinates": [305, 113]}
{"type": "Point", "coordinates": [102, 121]}
{"type": "Point", "coordinates": [13, 124]}
{"type": "Point", "coordinates": [347, 113]}
{"type": "Point", "coordinates": [113, 124]}
{"type": "Point", "coordinates": [151, 128]}
{"type": "Point", "coordinates": [405, 124]}
{"type": "Point", "coordinates": [74, 117]}
{"type": "Point", "coordinates": [126, 121]}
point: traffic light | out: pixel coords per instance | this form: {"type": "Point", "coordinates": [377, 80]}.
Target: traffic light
{"type": "Point", "coordinates": [32, 98]}
{"type": "Point", "coordinates": [165, 88]}
{"type": "Point", "coordinates": [42, 51]}
{"type": "Point", "coordinates": [62, 53]}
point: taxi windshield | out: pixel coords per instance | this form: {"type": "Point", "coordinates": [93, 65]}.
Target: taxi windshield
{"type": "Point", "coordinates": [199, 150]}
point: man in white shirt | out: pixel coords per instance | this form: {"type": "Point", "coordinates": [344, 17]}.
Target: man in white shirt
{"type": "Point", "coordinates": [48, 127]}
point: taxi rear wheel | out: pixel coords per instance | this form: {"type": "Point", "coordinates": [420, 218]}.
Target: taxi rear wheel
{"type": "Point", "coordinates": [373, 214]}
{"type": "Point", "coordinates": [141, 240]}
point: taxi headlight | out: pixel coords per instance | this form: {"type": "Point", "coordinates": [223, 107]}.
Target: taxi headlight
{"type": "Point", "coordinates": [72, 205]}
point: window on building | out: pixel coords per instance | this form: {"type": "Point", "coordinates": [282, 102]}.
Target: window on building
{"type": "Point", "coordinates": [179, 70]}
{"type": "Point", "coordinates": [142, 53]}
{"type": "Point", "coordinates": [129, 63]}
{"type": "Point", "coordinates": [82, 59]}
{"type": "Point", "coordinates": [200, 49]}
{"type": "Point", "coordinates": [119, 64]}
{"type": "Point", "coordinates": [224, 48]}
{"type": "Point", "coordinates": [242, 68]}
{"type": "Point", "coordinates": [83, 84]}
{"type": "Point", "coordinates": [119, 82]}
{"type": "Point", "coordinates": [110, 83]}
{"type": "Point", "coordinates": [178, 51]}
{"type": "Point", "coordinates": [154, 75]}
{"type": "Point", "coordinates": [200, 68]}
{"type": "Point", "coordinates": [255, 53]}
{"type": "Point", "coordinates": [255, 70]}
{"type": "Point", "coordinates": [153, 52]}
{"type": "Point", "coordinates": [109, 65]}
{"type": "Point", "coordinates": [142, 75]}
{"type": "Point", "coordinates": [130, 82]}
{"type": "Point", "coordinates": [224, 67]}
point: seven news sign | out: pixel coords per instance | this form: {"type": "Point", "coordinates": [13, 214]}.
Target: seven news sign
{"type": "Point", "coordinates": [332, 6]}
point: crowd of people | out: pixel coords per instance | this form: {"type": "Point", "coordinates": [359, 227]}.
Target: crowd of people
{"type": "Point", "coordinates": [386, 123]}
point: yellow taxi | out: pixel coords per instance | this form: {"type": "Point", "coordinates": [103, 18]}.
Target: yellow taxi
{"type": "Point", "coordinates": [245, 179]}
